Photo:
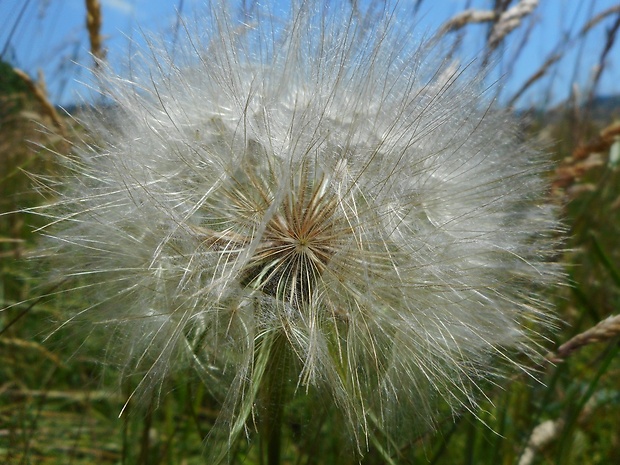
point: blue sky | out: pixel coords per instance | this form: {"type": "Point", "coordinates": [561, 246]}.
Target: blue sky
{"type": "Point", "coordinates": [50, 35]}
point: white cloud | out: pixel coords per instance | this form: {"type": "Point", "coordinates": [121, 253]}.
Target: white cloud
{"type": "Point", "coordinates": [121, 6]}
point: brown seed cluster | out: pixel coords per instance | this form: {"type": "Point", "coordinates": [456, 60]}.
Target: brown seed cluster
{"type": "Point", "coordinates": [297, 245]}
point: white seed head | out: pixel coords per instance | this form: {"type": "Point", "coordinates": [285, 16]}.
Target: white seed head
{"type": "Point", "coordinates": [317, 177]}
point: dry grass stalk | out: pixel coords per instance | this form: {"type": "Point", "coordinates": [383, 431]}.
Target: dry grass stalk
{"type": "Point", "coordinates": [505, 21]}
{"type": "Point", "coordinates": [609, 43]}
{"type": "Point", "coordinates": [75, 396]}
{"type": "Point", "coordinates": [549, 431]}
{"type": "Point", "coordinates": [93, 24]}
{"type": "Point", "coordinates": [467, 17]}
{"type": "Point", "coordinates": [21, 344]}
{"type": "Point", "coordinates": [542, 435]}
{"type": "Point", "coordinates": [509, 20]}
{"type": "Point", "coordinates": [41, 97]}
{"type": "Point", "coordinates": [584, 158]}
{"type": "Point", "coordinates": [535, 77]}
{"type": "Point", "coordinates": [603, 331]}
{"type": "Point", "coordinates": [598, 18]}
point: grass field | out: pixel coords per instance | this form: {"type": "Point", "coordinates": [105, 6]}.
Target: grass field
{"type": "Point", "coordinates": [60, 401]}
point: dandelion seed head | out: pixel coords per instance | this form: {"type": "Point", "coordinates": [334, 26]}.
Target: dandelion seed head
{"type": "Point", "coordinates": [319, 178]}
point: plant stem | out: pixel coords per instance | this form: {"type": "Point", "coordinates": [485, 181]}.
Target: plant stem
{"type": "Point", "coordinates": [274, 397]}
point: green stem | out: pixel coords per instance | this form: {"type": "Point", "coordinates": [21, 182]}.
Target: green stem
{"type": "Point", "coordinates": [274, 397]}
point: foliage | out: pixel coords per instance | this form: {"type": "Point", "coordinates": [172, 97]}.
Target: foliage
{"type": "Point", "coordinates": [58, 404]}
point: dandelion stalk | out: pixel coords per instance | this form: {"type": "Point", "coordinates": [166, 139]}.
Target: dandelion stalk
{"type": "Point", "coordinates": [275, 398]}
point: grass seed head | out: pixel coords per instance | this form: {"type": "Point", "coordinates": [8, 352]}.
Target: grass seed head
{"type": "Point", "coordinates": [316, 179]}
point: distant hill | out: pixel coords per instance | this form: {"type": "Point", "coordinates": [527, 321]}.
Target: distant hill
{"type": "Point", "coordinates": [602, 109]}
{"type": "Point", "coordinates": [606, 107]}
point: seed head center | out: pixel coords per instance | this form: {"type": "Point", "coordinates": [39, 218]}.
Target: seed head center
{"type": "Point", "coordinates": [296, 248]}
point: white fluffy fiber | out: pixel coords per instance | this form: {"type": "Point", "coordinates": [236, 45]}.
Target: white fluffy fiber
{"type": "Point", "coordinates": [319, 178]}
